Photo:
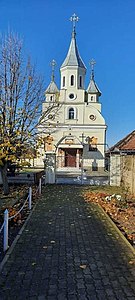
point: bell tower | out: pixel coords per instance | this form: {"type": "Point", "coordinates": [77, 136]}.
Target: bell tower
{"type": "Point", "coordinates": [93, 91]}
{"type": "Point", "coordinates": [52, 90]}
{"type": "Point", "coordinates": [73, 69]}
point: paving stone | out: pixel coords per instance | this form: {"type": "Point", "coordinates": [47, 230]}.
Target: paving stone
{"type": "Point", "coordinates": [72, 297]}
{"type": "Point", "coordinates": [52, 297]}
{"type": "Point", "coordinates": [93, 296]}
{"type": "Point", "coordinates": [109, 292]}
{"type": "Point", "coordinates": [42, 297]}
{"type": "Point", "coordinates": [69, 250]}
{"type": "Point", "coordinates": [62, 295]}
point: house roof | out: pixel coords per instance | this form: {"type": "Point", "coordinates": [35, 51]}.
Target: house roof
{"type": "Point", "coordinates": [127, 144]}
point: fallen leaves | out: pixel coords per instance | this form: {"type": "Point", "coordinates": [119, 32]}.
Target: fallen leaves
{"type": "Point", "coordinates": [121, 211]}
{"type": "Point", "coordinates": [45, 247]}
{"type": "Point", "coordinates": [132, 262]}
{"type": "Point", "coordinates": [14, 212]}
{"type": "Point", "coordinates": [83, 267]}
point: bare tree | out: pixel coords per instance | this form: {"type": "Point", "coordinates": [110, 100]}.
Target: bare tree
{"type": "Point", "coordinates": [21, 97]}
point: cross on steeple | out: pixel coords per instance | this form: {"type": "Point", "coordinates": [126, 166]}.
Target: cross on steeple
{"type": "Point", "coordinates": [53, 65]}
{"type": "Point", "coordinates": [74, 19]}
{"type": "Point", "coordinates": [92, 63]}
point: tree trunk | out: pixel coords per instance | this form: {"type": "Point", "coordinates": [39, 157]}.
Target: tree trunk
{"type": "Point", "coordinates": [4, 179]}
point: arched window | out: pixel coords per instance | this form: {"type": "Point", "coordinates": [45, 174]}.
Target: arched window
{"type": "Point", "coordinates": [63, 81]}
{"type": "Point", "coordinates": [72, 80]}
{"type": "Point", "coordinates": [51, 98]}
{"type": "Point", "coordinates": [80, 81]}
{"type": "Point", "coordinates": [92, 98]}
{"type": "Point", "coordinates": [71, 113]}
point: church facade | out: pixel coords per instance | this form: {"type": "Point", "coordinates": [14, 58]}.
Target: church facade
{"type": "Point", "coordinates": [76, 133]}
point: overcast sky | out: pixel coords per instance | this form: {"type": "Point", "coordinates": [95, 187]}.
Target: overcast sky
{"type": "Point", "coordinates": [105, 32]}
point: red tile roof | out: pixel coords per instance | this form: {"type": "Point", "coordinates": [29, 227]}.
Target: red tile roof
{"type": "Point", "coordinates": [127, 143]}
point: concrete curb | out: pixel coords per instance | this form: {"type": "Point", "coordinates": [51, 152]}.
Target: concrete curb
{"type": "Point", "coordinates": [10, 250]}
{"type": "Point", "coordinates": [118, 230]}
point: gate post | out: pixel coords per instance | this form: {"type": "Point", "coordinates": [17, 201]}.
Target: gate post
{"type": "Point", "coordinates": [5, 242]}
{"type": "Point", "coordinates": [40, 186]}
{"type": "Point", "coordinates": [30, 197]}
{"type": "Point", "coordinates": [50, 167]}
{"type": "Point", "coordinates": [82, 170]}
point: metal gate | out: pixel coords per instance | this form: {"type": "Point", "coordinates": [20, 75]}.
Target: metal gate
{"type": "Point", "coordinates": [70, 172]}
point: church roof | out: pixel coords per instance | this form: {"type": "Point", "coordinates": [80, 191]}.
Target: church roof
{"type": "Point", "coordinates": [92, 87]}
{"type": "Point", "coordinates": [52, 88]}
{"type": "Point", "coordinates": [73, 57]}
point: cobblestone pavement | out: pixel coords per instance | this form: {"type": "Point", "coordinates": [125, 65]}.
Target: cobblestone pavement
{"type": "Point", "coordinates": [68, 250]}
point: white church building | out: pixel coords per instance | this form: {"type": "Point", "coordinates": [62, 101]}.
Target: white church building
{"type": "Point", "coordinates": [76, 134]}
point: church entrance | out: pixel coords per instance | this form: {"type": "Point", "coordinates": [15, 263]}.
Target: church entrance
{"type": "Point", "coordinates": [70, 157]}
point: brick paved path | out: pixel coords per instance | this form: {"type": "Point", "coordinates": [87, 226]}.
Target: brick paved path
{"type": "Point", "coordinates": [68, 250]}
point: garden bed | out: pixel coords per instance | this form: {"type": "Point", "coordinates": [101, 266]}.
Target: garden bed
{"type": "Point", "coordinates": [119, 205]}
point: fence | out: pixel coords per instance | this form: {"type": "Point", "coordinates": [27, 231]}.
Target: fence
{"type": "Point", "coordinates": [5, 225]}
{"type": "Point", "coordinates": [128, 172]}
{"type": "Point", "coordinates": [24, 177]}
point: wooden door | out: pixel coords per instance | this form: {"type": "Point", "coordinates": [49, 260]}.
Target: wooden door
{"type": "Point", "coordinates": [70, 158]}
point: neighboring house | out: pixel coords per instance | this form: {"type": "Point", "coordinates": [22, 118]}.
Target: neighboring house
{"type": "Point", "coordinates": [122, 162]}
{"type": "Point", "coordinates": [78, 132]}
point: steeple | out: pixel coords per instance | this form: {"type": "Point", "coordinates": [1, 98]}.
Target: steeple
{"type": "Point", "coordinates": [92, 87]}
{"type": "Point", "coordinates": [73, 69]}
{"type": "Point", "coordinates": [52, 90]}
{"type": "Point", "coordinates": [73, 57]}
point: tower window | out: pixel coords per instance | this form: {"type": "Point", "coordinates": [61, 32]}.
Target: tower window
{"type": "Point", "coordinates": [80, 81]}
{"type": "Point", "coordinates": [92, 98]}
{"type": "Point", "coordinates": [71, 113]}
{"type": "Point", "coordinates": [71, 96]}
{"type": "Point", "coordinates": [51, 98]}
{"type": "Point", "coordinates": [63, 81]}
{"type": "Point", "coordinates": [72, 80]}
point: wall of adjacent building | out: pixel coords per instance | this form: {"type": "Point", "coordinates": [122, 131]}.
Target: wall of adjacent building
{"type": "Point", "coordinates": [128, 172]}
{"type": "Point", "coordinates": [115, 170]}
{"type": "Point", "coordinates": [122, 171]}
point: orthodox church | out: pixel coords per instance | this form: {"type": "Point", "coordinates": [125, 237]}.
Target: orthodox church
{"type": "Point", "coordinates": [75, 130]}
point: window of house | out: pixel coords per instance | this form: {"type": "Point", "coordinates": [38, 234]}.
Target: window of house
{"type": "Point", "coordinates": [51, 98]}
{"type": "Point", "coordinates": [91, 98]}
{"type": "Point", "coordinates": [72, 80]}
{"type": "Point", "coordinates": [80, 81]}
{"type": "Point", "coordinates": [63, 81]}
{"type": "Point", "coordinates": [71, 113]}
